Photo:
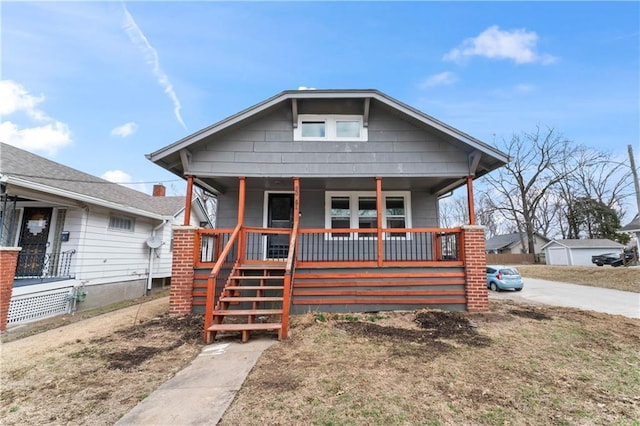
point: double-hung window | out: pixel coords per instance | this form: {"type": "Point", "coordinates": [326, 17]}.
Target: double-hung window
{"type": "Point", "coordinates": [314, 127]}
{"type": "Point", "coordinates": [357, 210]}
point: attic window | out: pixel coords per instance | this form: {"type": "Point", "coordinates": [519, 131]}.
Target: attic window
{"type": "Point", "coordinates": [312, 127]}
{"type": "Point", "coordinates": [121, 223]}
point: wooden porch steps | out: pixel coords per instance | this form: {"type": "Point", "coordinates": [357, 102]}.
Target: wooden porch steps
{"type": "Point", "coordinates": [243, 306]}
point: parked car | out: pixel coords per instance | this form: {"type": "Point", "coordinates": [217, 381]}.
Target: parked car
{"type": "Point", "coordinates": [503, 277]}
{"type": "Point", "coordinates": [613, 259]}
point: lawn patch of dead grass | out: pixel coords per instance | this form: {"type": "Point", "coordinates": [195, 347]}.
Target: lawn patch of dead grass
{"type": "Point", "coordinates": [534, 365]}
{"type": "Point", "coordinates": [620, 278]}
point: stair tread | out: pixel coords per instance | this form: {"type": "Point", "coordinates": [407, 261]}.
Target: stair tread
{"type": "Point", "coordinates": [255, 287]}
{"type": "Point", "coordinates": [241, 327]}
{"type": "Point", "coordinates": [248, 312]}
{"type": "Point", "coordinates": [262, 266]}
{"type": "Point", "coordinates": [251, 299]}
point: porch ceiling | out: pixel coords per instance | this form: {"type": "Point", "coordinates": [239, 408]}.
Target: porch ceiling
{"type": "Point", "coordinates": [427, 184]}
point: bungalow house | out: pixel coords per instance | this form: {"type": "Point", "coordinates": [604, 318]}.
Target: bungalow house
{"type": "Point", "coordinates": [327, 201]}
{"type": "Point", "coordinates": [512, 243]}
{"type": "Point", "coordinates": [574, 252]}
{"type": "Point", "coordinates": [84, 242]}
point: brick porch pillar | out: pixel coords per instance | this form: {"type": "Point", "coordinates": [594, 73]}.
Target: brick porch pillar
{"type": "Point", "coordinates": [8, 263]}
{"type": "Point", "coordinates": [181, 293]}
{"type": "Point", "coordinates": [475, 264]}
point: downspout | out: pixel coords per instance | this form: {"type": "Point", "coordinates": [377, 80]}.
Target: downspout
{"type": "Point", "coordinates": [152, 253]}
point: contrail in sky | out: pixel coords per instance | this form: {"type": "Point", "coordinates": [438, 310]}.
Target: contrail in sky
{"type": "Point", "coordinates": [151, 56]}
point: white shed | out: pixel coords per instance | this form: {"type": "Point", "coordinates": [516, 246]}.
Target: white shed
{"type": "Point", "coordinates": [578, 252]}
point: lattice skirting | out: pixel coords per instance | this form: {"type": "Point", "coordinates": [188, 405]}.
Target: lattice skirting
{"type": "Point", "coordinates": [32, 307]}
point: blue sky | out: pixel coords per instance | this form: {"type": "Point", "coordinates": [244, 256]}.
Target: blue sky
{"type": "Point", "coordinates": [97, 85]}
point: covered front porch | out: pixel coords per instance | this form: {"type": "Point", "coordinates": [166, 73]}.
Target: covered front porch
{"type": "Point", "coordinates": [314, 259]}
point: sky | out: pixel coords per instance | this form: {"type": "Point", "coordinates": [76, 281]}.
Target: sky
{"type": "Point", "coordinates": [97, 85]}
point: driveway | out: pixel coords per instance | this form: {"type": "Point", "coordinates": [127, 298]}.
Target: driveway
{"type": "Point", "coordinates": [575, 296]}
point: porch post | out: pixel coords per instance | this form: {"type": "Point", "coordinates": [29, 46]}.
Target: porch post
{"type": "Point", "coordinates": [472, 210]}
{"type": "Point", "coordinates": [241, 203]}
{"type": "Point", "coordinates": [379, 219]}
{"type": "Point", "coordinates": [182, 273]}
{"type": "Point", "coordinates": [187, 206]}
{"type": "Point", "coordinates": [8, 263]}
{"type": "Point", "coordinates": [475, 264]}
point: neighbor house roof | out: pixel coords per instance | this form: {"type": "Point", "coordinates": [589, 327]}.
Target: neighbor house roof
{"type": "Point", "coordinates": [601, 243]}
{"type": "Point", "coordinates": [498, 242]}
{"type": "Point", "coordinates": [633, 226]}
{"type": "Point", "coordinates": [25, 173]}
{"type": "Point", "coordinates": [173, 157]}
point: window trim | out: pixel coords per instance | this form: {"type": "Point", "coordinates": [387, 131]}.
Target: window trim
{"type": "Point", "coordinates": [353, 201]}
{"type": "Point", "coordinates": [114, 216]}
{"type": "Point", "coordinates": [330, 130]}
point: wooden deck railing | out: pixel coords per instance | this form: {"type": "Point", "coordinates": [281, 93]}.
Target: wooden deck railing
{"type": "Point", "coordinates": [360, 247]}
{"type": "Point", "coordinates": [332, 247]}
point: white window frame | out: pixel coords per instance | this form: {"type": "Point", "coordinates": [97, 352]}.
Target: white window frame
{"type": "Point", "coordinates": [131, 219]}
{"type": "Point", "coordinates": [330, 121]}
{"type": "Point", "coordinates": [353, 202]}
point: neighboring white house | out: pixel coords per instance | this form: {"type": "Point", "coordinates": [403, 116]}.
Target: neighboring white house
{"type": "Point", "coordinates": [578, 252]}
{"type": "Point", "coordinates": [86, 242]}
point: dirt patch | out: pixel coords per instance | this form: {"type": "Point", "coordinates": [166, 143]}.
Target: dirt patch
{"type": "Point", "coordinates": [530, 313]}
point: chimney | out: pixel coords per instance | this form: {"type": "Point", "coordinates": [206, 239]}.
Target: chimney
{"type": "Point", "coordinates": [159, 190]}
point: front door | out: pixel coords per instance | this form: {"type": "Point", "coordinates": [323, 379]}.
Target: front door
{"type": "Point", "coordinates": [33, 240]}
{"type": "Point", "coordinates": [279, 215]}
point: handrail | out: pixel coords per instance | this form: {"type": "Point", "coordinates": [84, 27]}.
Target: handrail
{"type": "Point", "coordinates": [211, 282]}
{"type": "Point", "coordinates": [290, 264]}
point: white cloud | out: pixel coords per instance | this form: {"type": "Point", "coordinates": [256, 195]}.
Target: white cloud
{"type": "Point", "coordinates": [138, 38]}
{"type": "Point", "coordinates": [306, 88]}
{"type": "Point", "coordinates": [517, 45]}
{"type": "Point", "coordinates": [125, 130]}
{"type": "Point", "coordinates": [42, 133]}
{"type": "Point", "coordinates": [443, 79]}
{"type": "Point", "coordinates": [124, 179]}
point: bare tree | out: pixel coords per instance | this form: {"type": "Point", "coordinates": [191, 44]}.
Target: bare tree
{"type": "Point", "coordinates": [520, 189]}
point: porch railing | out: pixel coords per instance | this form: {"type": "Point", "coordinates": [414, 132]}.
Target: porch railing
{"type": "Point", "coordinates": [334, 247]}
{"type": "Point", "coordinates": [34, 264]}
{"type": "Point", "coordinates": [399, 247]}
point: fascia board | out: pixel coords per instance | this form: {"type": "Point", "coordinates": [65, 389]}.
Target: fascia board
{"type": "Point", "coordinates": [81, 197]}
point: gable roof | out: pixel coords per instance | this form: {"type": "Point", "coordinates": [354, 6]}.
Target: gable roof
{"type": "Point", "coordinates": [23, 170]}
{"type": "Point", "coordinates": [505, 240]}
{"type": "Point", "coordinates": [633, 226]}
{"type": "Point", "coordinates": [599, 243]}
{"type": "Point", "coordinates": [171, 159]}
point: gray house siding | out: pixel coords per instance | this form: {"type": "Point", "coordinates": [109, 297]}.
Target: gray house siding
{"type": "Point", "coordinates": [265, 147]}
{"type": "Point", "coordinates": [423, 209]}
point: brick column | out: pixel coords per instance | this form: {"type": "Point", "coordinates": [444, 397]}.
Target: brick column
{"type": "Point", "coordinates": [181, 293]}
{"type": "Point", "coordinates": [475, 264]}
{"type": "Point", "coordinates": [8, 262]}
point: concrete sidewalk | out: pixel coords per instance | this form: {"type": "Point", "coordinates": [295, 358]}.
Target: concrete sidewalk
{"type": "Point", "coordinates": [201, 393]}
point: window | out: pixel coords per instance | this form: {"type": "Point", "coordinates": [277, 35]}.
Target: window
{"type": "Point", "coordinates": [357, 210]}
{"type": "Point", "coordinates": [330, 127]}
{"type": "Point", "coordinates": [121, 223]}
